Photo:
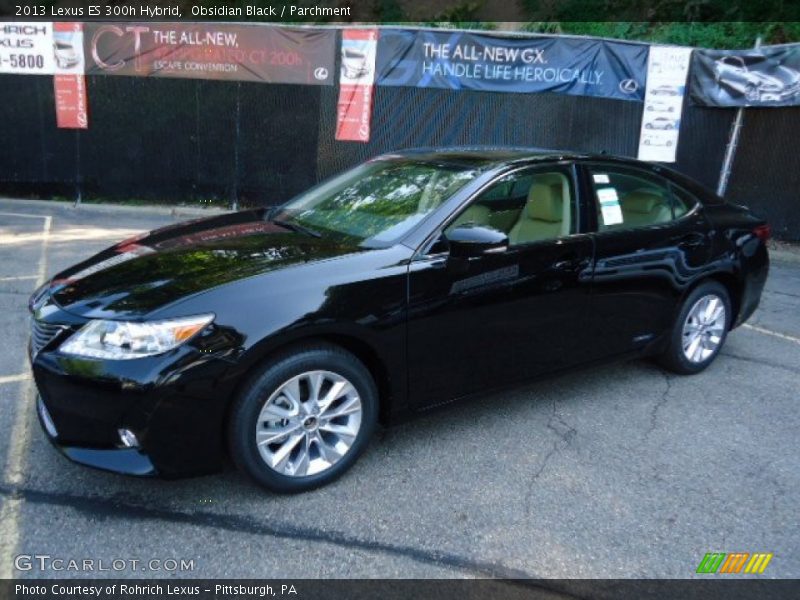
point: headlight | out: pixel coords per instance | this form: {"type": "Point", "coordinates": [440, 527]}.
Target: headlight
{"type": "Point", "coordinates": [121, 340]}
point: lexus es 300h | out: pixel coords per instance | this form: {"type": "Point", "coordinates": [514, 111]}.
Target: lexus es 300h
{"type": "Point", "coordinates": [281, 337]}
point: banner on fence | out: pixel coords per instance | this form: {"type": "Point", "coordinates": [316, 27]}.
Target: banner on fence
{"type": "Point", "coordinates": [767, 76]}
{"type": "Point", "coordinates": [356, 84]}
{"type": "Point", "coordinates": [212, 51]}
{"type": "Point", "coordinates": [69, 82]}
{"type": "Point", "coordinates": [663, 102]}
{"type": "Point", "coordinates": [71, 105]}
{"type": "Point", "coordinates": [490, 63]}
{"type": "Point", "coordinates": [39, 48]}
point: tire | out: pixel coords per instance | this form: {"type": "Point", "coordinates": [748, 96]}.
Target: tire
{"type": "Point", "coordinates": [696, 358]}
{"type": "Point", "coordinates": [273, 385]}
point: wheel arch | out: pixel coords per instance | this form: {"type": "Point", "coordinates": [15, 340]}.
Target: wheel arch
{"type": "Point", "coordinates": [731, 283]}
{"type": "Point", "coordinates": [355, 345]}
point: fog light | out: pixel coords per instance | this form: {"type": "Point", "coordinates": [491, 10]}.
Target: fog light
{"type": "Point", "coordinates": [128, 438]}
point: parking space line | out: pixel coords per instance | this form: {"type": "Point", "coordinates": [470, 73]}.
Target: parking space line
{"type": "Point", "coordinates": [19, 437]}
{"type": "Point", "coordinates": [14, 378]}
{"type": "Point", "coordinates": [777, 334]}
{"type": "Point", "coordinates": [19, 278]}
{"type": "Point", "coordinates": [24, 216]}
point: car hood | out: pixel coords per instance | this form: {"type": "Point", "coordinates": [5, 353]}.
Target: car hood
{"type": "Point", "coordinates": [778, 78]}
{"type": "Point", "coordinates": [149, 272]}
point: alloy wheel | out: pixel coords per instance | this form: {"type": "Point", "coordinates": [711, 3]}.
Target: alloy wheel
{"type": "Point", "coordinates": [704, 328]}
{"type": "Point", "coordinates": [309, 423]}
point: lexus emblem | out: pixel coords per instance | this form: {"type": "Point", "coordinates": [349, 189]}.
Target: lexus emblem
{"type": "Point", "coordinates": [628, 86]}
{"type": "Point", "coordinates": [321, 73]}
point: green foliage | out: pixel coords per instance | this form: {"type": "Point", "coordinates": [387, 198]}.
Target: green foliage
{"type": "Point", "coordinates": [462, 15]}
{"type": "Point", "coordinates": [701, 23]}
{"type": "Point", "coordinates": [662, 11]}
{"type": "Point", "coordinates": [704, 35]}
{"type": "Point", "coordinates": [388, 11]}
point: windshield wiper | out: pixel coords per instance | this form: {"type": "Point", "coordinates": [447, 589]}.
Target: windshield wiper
{"type": "Point", "coordinates": [296, 227]}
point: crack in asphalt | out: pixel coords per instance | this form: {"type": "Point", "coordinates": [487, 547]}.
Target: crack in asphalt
{"type": "Point", "coordinates": [759, 361]}
{"type": "Point", "coordinates": [657, 406]}
{"type": "Point", "coordinates": [103, 507]}
{"type": "Point", "coordinates": [781, 293]}
{"type": "Point", "coordinates": [565, 438]}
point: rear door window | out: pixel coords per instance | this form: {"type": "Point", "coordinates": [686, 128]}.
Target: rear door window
{"type": "Point", "coordinates": [628, 199]}
{"type": "Point", "coordinates": [683, 202]}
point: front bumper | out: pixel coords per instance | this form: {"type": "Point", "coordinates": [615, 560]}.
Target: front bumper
{"type": "Point", "coordinates": [174, 403]}
{"type": "Point", "coordinates": [127, 461]}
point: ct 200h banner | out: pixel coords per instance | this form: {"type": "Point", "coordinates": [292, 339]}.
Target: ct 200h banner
{"type": "Point", "coordinates": [212, 51]}
{"type": "Point", "coordinates": [490, 63]}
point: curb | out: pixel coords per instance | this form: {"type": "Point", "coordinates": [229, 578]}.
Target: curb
{"type": "Point", "coordinates": [175, 211]}
{"type": "Point", "coordinates": [784, 256]}
{"type": "Point", "coordinates": [784, 251]}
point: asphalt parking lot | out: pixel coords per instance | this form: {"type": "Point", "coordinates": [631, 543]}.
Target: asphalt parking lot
{"type": "Point", "coordinates": [619, 471]}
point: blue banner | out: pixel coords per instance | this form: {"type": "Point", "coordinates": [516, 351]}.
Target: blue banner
{"type": "Point", "coordinates": [491, 63]}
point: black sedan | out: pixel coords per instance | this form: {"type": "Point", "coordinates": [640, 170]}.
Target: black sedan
{"type": "Point", "coordinates": [283, 336]}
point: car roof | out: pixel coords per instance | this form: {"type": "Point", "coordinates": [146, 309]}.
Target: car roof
{"type": "Point", "coordinates": [497, 156]}
{"type": "Point", "coordinates": [494, 157]}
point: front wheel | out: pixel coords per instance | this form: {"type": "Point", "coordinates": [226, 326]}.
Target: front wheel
{"type": "Point", "coordinates": [303, 420]}
{"type": "Point", "coordinates": [700, 329]}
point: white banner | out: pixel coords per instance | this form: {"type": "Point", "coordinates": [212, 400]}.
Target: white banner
{"type": "Point", "coordinates": [667, 68]}
{"type": "Point", "coordinates": [34, 48]}
{"type": "Point", "coordinates": [68, 48]}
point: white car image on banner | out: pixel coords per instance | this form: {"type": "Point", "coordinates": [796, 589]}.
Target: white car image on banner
{"type": "Point", "coordinates": [667, 69]}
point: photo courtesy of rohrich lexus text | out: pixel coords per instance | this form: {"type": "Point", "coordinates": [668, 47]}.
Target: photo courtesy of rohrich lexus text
{"type": "Point", "coordinates": [334, 299]}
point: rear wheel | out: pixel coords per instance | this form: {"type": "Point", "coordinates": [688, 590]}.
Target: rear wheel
{"type": "Point", "coordinates": [700, 329]}
{"type": "Point", "coordinates": [303, 420]}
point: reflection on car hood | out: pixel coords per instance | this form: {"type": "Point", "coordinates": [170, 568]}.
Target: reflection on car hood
{"type": "Point", "coordinates": [143, 274]}
{"type": "Point", "coordinates": [778, 79]}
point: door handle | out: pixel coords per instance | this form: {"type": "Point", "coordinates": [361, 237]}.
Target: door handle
{"type": "Point", "coordinates": [564, 265]}
{"type": "Point", "coordinates": [692, 240]}
{"type": "Point", "coordinates": [567, 264]}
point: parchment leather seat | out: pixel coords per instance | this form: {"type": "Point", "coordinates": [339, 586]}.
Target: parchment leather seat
{"type": "Point", "coordinates": [642, 207]}
{"type": "Point", "coordinates": [477, 214]}
{"type": "Point", "coordinates": [543, 215]}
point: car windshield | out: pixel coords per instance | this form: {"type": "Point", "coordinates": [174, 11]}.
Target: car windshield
{"type": "Point", "coordinates": [376, 203]}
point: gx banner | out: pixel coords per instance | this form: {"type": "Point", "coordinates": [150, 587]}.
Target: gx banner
{"type": "Point", "coordinates": [492, 63]}
{"type": "Point", "coordinates": [767, 76]}
{"type": "Point", "coordinates": [212, 51]}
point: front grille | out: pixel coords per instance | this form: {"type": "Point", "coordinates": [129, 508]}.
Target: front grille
{"type": "Point", "coordinates": [43, 333]}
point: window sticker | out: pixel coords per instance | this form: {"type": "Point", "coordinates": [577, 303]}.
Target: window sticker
{"type": "Point", "coordinates": [601, 178]}
{"type": "Point", "coordinates": [609, 206]}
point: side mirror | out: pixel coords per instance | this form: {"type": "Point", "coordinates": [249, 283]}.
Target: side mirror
{"type": "Point", "coordinates": [467, 241]}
